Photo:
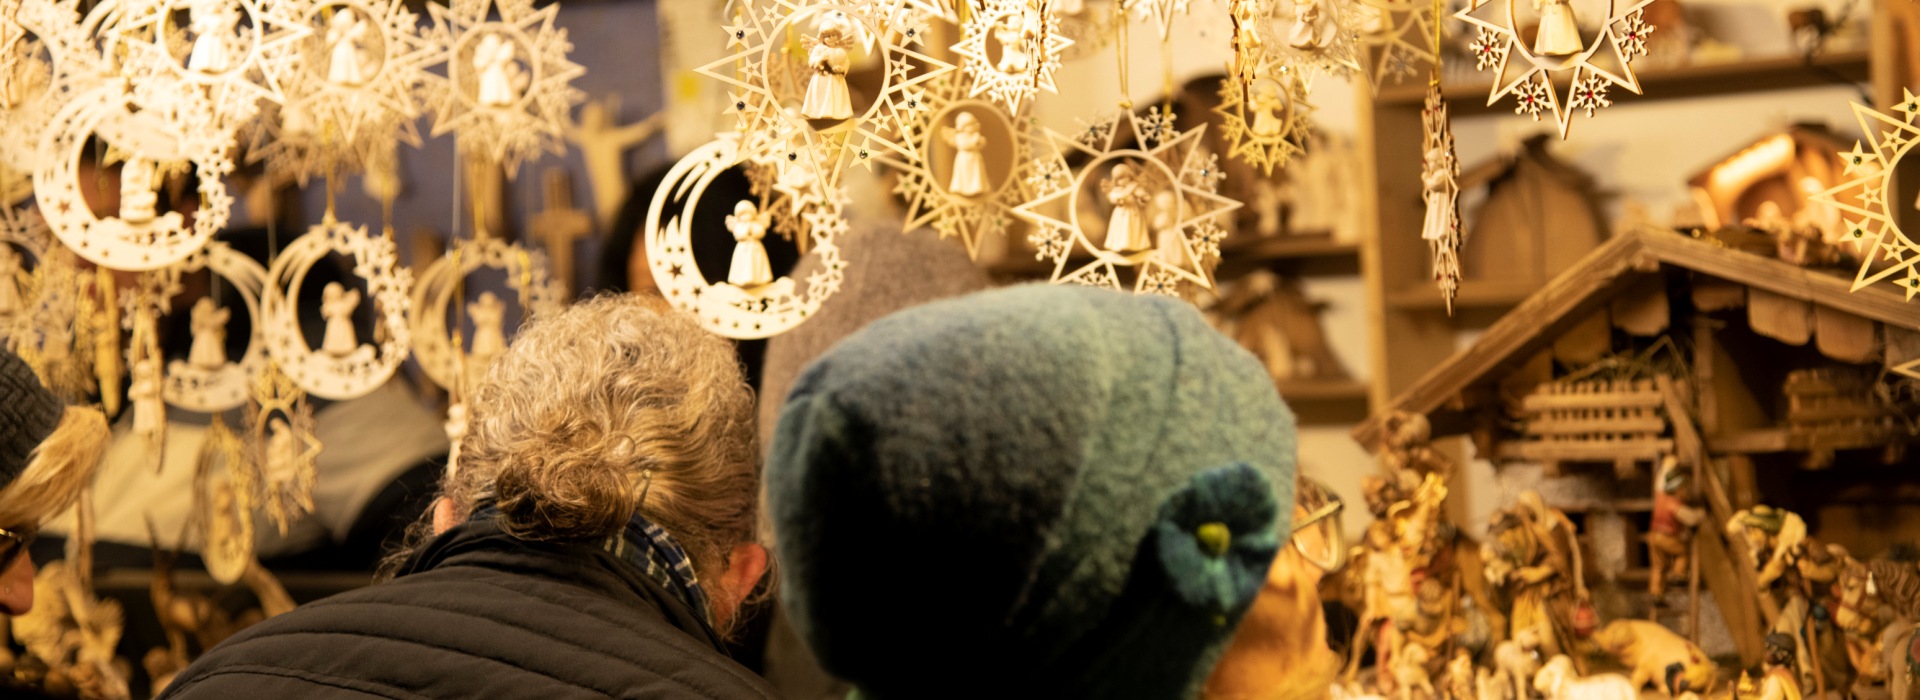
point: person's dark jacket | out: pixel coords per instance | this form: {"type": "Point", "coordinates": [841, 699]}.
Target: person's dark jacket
{"type": "Point", "coordinates": [481, 614]}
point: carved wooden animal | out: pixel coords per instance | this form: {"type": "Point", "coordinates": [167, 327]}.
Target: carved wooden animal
{"type": "Point", "coordinates": [1516, 663]}
{"type": "Point", "coordinates": [1410, 671]}
{"type": "Point", "coordinates": [1558, 681]}
{"type": "Point", "coordinates": [1898, 585]}
{"type": "Point", "coordinates": [1460, 677]}
{"type": "Point", "coordinates": [1648, 648]}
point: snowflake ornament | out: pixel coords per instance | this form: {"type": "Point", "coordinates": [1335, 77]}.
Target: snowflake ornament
{"type": "Point", "coordinates": [1011, 49]}
{"type": "Point", "coordinates": [751, 302]}
{"type": "Point", "coordinates": [357, 89]}
{"type": "Point", "coordinates": [787, 78]}
{"type": "Point", "coordinates": [1136, 205]}
{"type": "Point", "coordinates": [970, 165]}
{"type": "Point", "coordinates": [507, 84]}
{"type": "Point", "coordinates": [1586, 61]}
{"type": "Point", "coordinates": [1887, 253]}
{"type": "Point", "coordinates": [1267, 124]}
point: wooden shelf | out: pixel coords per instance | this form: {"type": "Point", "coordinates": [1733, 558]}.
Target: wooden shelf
{"type": "Point", "coordinates": [1675, 82]}
{"type": "Point", "coordinates": [1772, 440]}
{"type": "Point", "coordinates": [1473, 295]}
{"type": "Point", "coordinates": [1325, 401]}
{"type": "Point", "coordinates": [1299, 254]}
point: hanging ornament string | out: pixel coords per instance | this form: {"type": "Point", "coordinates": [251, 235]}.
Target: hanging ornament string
{"type": "Point", "coordinates": [1439, 6]}
{"type": "Point", "coordinates": [1120, 52]}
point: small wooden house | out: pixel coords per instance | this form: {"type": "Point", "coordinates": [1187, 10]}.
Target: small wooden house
{"type": "Point", "coordinates": [1658, 344]}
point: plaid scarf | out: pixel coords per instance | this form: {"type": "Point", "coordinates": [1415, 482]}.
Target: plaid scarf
{"type": "Point", "coordinates": [648, 548]}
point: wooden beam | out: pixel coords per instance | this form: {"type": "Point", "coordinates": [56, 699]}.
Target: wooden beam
{"type": "Point", "coordinates": [1877, 302]}
{"type": "Point", "coordinates": [1530, 327]}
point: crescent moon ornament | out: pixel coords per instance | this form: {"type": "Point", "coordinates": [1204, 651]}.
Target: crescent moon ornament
{"type": "Point", "coordinates": [750, 303]}
{"type": "Point", "coordinates": [344, 366]}
{"type": "Point", "coordinates": [434, 345]}
{"type": "Point", "coordinates": [139, 236]}
{"type": "Point", "coordinates": [208, 381]}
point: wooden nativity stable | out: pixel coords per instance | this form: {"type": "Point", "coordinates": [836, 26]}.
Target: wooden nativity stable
{"type": "Point", "coordinates": [1660, 344]}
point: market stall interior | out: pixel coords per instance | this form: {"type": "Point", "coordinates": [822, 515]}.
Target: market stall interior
{"type": "Point", "coordinates": [1599, 313]}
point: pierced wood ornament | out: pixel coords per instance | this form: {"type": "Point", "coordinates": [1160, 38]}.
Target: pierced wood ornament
{"type": "Point", "coordinates": [1158, 12]}
{"type": "Point", "coordinates": [232, 53]}
{"type": "Point", "coordinates": [750, 303]}
{"type": "Point", "coordinates": [1394, 38]}
{"type": "Point", "coordinates": [781, 91]}
{"type": "Point", "coordinates": [356, 89]}
{"type": "Point", "coordinates": [1011, 49]}
{"type": "Point", "coordinates": [1440, 183]}
{"type": "Point", "coordinates": [1560, 50]}
{"type": "Point", "coordinates": [344, 366]}
{"type": "Point", "coordinates": [280, 424]}
{"type": "Point", "coordinates": [224, 484]}
{"type": "Point", "coordinates": [970, 166]}
{"type": "Point", "coordinates": [21, 231]}
{"type": "Point", "coordinates": [209, 381]}
{"type": "Point", "coordinates": [138, 237]}
{"type": "Point", "coordinates": [143, 307]}
{"type": "Point", "coordinates": [1146, 204]}
{"type": "Point", "coordinates": [1865, 199]}
{"type": "Point", "coordinates": [1266, 124]}
{"type": "Point", "coordinates": [1318, 36]}
{"type": "Point", "coordinates": [439, 353]}
{"type": "Point", "coordinates": [45, 57]}
{"type": "Point", "coordinates": [508, 86]}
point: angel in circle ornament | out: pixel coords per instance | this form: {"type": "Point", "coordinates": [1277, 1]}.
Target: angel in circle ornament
{"type": "Point", "coordinates": [969, 165]}
{"type": "Point", "coordinates": [501, 77]}
{"type": "Point", "coordinates": [750, 269]}
{"type": "Point", "coordinates": [1559, 33]}
{"type": "Point", "coordinates": [283, 454]}
{"type": "Point", "coordinates": [346, 58]}
{"type": "Point", "coordinates": [830, 60]}
{"type": "Point", "coordinates": [209, 322]}
{"type": "Point", "coordinates": [336, 305]}
{"type": "Point", "coordinates": [1127, 227]}
{"type": "Point", "coordinates": [1438, 182]}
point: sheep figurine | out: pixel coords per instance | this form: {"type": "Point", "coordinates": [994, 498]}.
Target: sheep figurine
{"type": "Point", "coordinates": [1516, 662]}
{"type": "Point", "coordinates": [1558, 681]}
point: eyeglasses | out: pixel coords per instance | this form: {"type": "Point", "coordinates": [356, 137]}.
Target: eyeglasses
{"type": "Point", "coordinates": [1317, 535]}
{"type": "Point", "coordinates": [13, 545]}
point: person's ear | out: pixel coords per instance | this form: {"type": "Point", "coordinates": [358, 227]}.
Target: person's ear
{"type": "Point", "coordinates": [745, 565]}
{"type": "Point", "coordinates": [444, 517]}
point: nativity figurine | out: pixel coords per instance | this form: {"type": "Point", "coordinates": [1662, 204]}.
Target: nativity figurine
{"type": "Point", "coordinates": [1670, 535]}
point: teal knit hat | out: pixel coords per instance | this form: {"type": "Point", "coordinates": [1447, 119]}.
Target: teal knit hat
{"type": "Point", "coordinates": [1042, 491]}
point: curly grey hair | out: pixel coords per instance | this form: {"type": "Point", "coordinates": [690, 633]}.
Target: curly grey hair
{"type": "Point", "coordinates": [614, 403]}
